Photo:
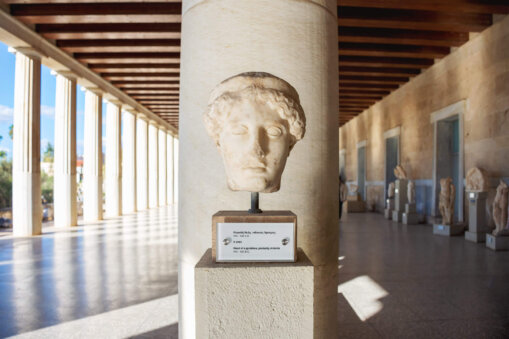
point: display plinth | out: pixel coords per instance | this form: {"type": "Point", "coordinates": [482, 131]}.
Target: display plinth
{"type": "Point", "coordinates": [354, 204]}
{"type": "Point", "coordinates": [448, 230]}
{"type": "Point", "coordinates": [389, 207]}
{"type": "Point", "coordinates": [400, 194]}
{"type": "Point", "coordinates": [410, 217]}
{"type": "Point", "coordinates": [254, 300]}
{"type": "Point", "coordinates": [397, 216]}
{"type": "Point", "coordinates": [240, 236]}
{"type": "Point", "coordinates": [477, 227]}
{"type": "Point", "coordinates": [500, 243]}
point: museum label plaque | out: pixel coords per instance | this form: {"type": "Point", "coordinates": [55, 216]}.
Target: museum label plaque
{"type": "Point", "coordinates": [270, 236]}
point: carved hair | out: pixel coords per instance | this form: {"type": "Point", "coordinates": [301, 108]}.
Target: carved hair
{"type": "Point", "coordinates": [283, 99]}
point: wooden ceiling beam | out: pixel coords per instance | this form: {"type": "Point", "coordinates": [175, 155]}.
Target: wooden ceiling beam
{"type": "Point", "coordinates": [344, 79]}
{"type": "Point", "coordinates": [412, 19]}
{"type": "Point", "coordinates": [474, 6]}
{"type": "Point", "coordinates": [135, 68]}
{"type": "Point", "coordinates": [362, 61]}
{"type": "Point", "coordinates": [144, 81]}
{"type": "Point", "coordinates": [367, 87]}
{"type": "Point", "coordinates": [147, 86]}
{"type": "Point", "coordinates": [121, 45]}
{"type": "Point", "coordinates": [378, 71]}
{"type": "Point", "coordinates": [141, 75]}
{"type": "Point", "coordinates": [388, 50]}
{"type": "Point", "coordinates": [142, 90]}
{"type": "Point", "coordinates": [69, 13]}
{"type": "Point", "coordinates": [128, 58]}
{"type": "Point", "coordinates": [401, 36]}
{"type": "Point", "coordinates": [156, 96]}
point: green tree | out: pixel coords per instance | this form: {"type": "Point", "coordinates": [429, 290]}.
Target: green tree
{"type": "Point", "coordinates": [48, 153]}
{"type": "Point", "coordinates": [3, 154]}
{"type": "Point", "coordinates": [5, 183]}
{"type": "Point", "coordinates": [47, 188]}
{"type": "Point", "coordinates": [10, 131]}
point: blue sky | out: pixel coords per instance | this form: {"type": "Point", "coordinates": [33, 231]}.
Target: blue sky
{"type": "Point", "coordinates": [48, 83]}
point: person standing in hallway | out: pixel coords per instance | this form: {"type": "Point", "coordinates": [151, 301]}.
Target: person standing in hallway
{"type": "Point", "coordinates": [343, 192]}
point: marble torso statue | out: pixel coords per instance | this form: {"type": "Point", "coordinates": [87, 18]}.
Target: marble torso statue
{"type": "Point", "coordinates": [500, 210]}
{"type": "Point", "coordinates": [400, 172]}
{"type": "Point", "coordinates": [255, 119]}
{"type": "Point", "coordinates": [446, 201]}
{"type": "Point", "coordinates": [476, 180]}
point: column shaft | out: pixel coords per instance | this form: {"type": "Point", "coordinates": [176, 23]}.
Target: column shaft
{"type": "Point", "coordinates": [162, 168]}
{"type": "Point", "coordinates": [169, 168]}
{"type": "Point", "coordinates": [297, 42]}
{"type": "Point", "coordinates": [129, 163]}
{"type": "Point", "coordinates": [153, 167]}
{"type": "Point", "coordinates": [142, 163]}
{"type": "Point", "coordinates": [175, 170]}
{"type": "Point", "coordinates": [92, 157]}
{"type": "Point", "coordinates": [26, 173]}
{"type": "Point", "coordinates": [64, 180]}
{"type": "Point", "coordinates": [113, 163]}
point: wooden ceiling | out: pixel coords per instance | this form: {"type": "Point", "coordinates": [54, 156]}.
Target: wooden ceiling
{"type": "Point", "coordinates": [135, 45]}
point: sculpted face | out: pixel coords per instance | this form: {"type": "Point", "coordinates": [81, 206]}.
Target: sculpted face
{"type": "Point", "coordinates": [255, 119]}
{"type": "Point", "coordinates": [254, 143]}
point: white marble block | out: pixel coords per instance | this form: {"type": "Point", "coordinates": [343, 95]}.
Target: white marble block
{"type": "Point", "coordinates": [500, 243]}
{"type": "Point", "coordinates": [388, 214]}
{"type": "Point", "coordinates": [397, 216]}
{"type": "Point", "coordinates": [254, 300]}
{"type": "Point", "coordinates": [400, 194]}
{"type": "Point", "coordinates": [477, 227]}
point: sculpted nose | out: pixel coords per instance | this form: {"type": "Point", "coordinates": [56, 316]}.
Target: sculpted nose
{"type": "Point", "coordinates": [255, 147]}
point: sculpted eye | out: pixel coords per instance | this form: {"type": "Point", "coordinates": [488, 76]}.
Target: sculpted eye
{"type": "Point", "coordinates": [274, 131]}
{"type": "Point", "coordinates": [238, 130]}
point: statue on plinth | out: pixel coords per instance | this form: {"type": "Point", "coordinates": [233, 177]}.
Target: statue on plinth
{"type": "Point", "coordinates": [446, 200]}
{"type": "Point", "coordinates": [400, 172]}
{"type": "Point", "coordinates": [476, 180]}
{"type": "Point", "coordinates": [411, 192]}
{"type": "Point", "coordinates": [255, 119]}
{"type": "Point", "coordinates": [500, 210]}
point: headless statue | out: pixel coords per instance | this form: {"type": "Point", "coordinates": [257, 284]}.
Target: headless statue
{"type": "Point", "coordinates": [500, 212]}
{"type": "Point", "coordinates": [411, 192]}
{"type": "Point", "coordinates": [400, 173]}
{"type": "Point", "coordinates": [391, 190]}
{"type": "Point", "coordinates": [446, 201]}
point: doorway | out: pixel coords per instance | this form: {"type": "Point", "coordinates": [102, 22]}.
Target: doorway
{"type": "Point", "coordinates": [448, 156]}
{"type": "Point", "coordinates": [391, 156]}
{"type": "Point", "coordinates": [361, 169]}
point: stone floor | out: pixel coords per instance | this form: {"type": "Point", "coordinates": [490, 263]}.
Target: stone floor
{"type": "Point", "coordinates": [400, 281]}
{"type": "Point", "coordinates": [118, 279]}
{"type": "Point", "coordinates": [113, 279]}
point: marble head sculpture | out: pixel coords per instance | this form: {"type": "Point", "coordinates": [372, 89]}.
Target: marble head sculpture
{"type": "Point", "coordinates": [255, 119]}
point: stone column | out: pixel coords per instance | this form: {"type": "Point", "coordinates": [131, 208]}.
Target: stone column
{"type": "Point", "coordinates": [169, 168]}
{"type": "Point", "coordinates": [26, 148]}
{"type": "Point", "coordinates": [175, 170]}
{"type": "Point", "coordinates": [293, 40]}
{"type": "Point", "coordinates": [162, 168]}
{"type": "Point", "coordinates": [92, 156]}
{"type": "Point", "coordinates": [113, 161]}
{"type": "Point", "coordinates": [153, 167]}
{"type": "Point", "coordinates": [141, 163]}
{"type": "Point", "coordinates": [64, 167]}
{"type": "Point", "coordinates": [129, 163]}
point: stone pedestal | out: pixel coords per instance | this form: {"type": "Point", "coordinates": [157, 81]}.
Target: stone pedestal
{"type": "Point", "coordinates": [254, 300]}
{"type": "Point", "coordinates": [389, 207]}
{"type": "Point", "coordinates": [448, 230]}
{"type": "Point", "coordinates": [410, 217]}
{"type": "Point", "coordinates": [400, 199]}
{"type": "Point", "coordinates": [477, 227]}
{"type": "Point", "coordinates": [500, 243]}
{"type": "Point", "coordinates": [354, 204]}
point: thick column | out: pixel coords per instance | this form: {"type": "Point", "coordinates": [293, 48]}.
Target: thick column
{"type": "Point", "coordinates": [153, 167]}
{"type": "Point", "coordinates": [113, 161]}
{"type": "Point", "coordinates": [129, 163]}
{"type": "Point", "coordinates": [64, 180]}
{"type": "Point", "coordinates": [26, 149]}
{"type": "Point", "coordinates": [293, 40]}
{"type": "Point", "coordinates": [163, 199]}
{"type": "Point", "coordinates": [141, 163]}
{"type": "Point", "coordinates": [169, 167]}
{"type": "Point", "coordinates": [92, 156]}
{"type": "Point", "coordinates": [175, 170]}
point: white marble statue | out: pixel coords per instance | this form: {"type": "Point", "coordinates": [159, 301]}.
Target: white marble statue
{"type": "Point", "coordinates": [353, 189]}
{"type": "Point", "coordinates": [411, 192]}
{"type": "Point", "coordinates": [500, 210]}
{"type": "Point", "coordinates": [255, 119]}
{"type": "Point", "coordinates": [476, 180]}
{"type": "Point", "coordinates": [446, 200]}
{"type": "Point", "coordinates": [391, 190]}
{"type": "Point", "coordinates": [400, 173]}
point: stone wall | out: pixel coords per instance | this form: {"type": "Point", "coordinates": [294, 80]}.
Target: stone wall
{"type": "Point", "coordinates": [477, 72]}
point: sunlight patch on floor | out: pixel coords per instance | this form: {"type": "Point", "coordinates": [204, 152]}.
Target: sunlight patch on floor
{"type": "Point", "coordinates": [363, 294]}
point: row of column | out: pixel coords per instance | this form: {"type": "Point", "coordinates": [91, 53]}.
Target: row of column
{"type": "Point", "coordinates": [139, 161]}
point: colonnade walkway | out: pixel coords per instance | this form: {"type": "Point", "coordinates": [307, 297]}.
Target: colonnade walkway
{"type": "Point", "coordinates": [117, 278]}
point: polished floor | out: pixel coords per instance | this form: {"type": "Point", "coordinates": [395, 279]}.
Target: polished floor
{"type": "Point", "coordinates": [118, 279]}
{"type": "Point", "coordinates": [113, 279]}
{"type": "Point", "coordinates": [400, 281]}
